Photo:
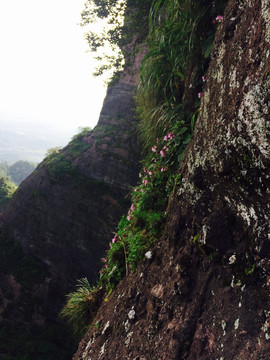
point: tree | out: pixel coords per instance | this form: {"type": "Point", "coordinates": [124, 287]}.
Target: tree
{"type": "Point", "coordinates": [7, 189]}
{"type": "Point", "coordinates": [20, 170]}
{"type": "Point", "coordinates": [117, 41]}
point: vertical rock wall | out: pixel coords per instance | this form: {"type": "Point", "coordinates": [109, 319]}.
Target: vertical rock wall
{"type": "Point", "coordinates": [204, 294]}
{"type": "Point", "coordinates": [66, 211]}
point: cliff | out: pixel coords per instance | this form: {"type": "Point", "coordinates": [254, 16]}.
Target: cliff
{"type": "Point", "coordinates": [202, 290]}
{"type": "Point", "coordinates": [59, 224]}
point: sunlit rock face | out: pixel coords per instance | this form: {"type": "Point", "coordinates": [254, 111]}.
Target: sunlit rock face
{"type": "Point", "coordinates": [204, 294]}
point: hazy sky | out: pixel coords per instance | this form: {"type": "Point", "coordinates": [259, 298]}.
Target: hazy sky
{"type": "Point", "coordinates": [45, 72]}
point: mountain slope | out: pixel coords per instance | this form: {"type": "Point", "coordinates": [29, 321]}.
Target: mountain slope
{"type": "Point", "coordinates": [59, 224]}
{"type": "Point", "coordinates": [203, 290]}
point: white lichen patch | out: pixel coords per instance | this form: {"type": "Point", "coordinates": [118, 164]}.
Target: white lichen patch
{"type": "Point", "coordinates": [247, 214]}
{"type": "Point", "coordinates": [148, 255]}
{"type": "Point", "coordinates": [129, 338]}
{"type": "Point", "coordinates": [236, 324]}
{"type": "Point", "coordinates": [223, 325]}
{"type": "Point", "coordinates": [253, 113]}
{"type": "Point", "coordinates": [266, 17]}
{"type": "Point", "coordinates": [102, 349]}
{"type": "Point", "coordinates": [107, 325]}
{"type": "Point", "coordinates": [232, 259]}
{"type": "Point", "coordinates": [131, 314]}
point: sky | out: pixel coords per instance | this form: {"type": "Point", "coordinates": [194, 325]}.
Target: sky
{"type": "Point", "coordinates": [46, 70]}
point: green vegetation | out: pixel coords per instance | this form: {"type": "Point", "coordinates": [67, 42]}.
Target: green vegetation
{"type": "Point", "coordinates": [81, 305]}
{"type": "Point", "coordinates": [58, 165]}
{"type": "Point", "coordinates": [77, 146]}
{"type": "Point", "coordinates": [117, 35]}
{"type": "Point", "coordinates": [18, 171]}
{"type": "Point", "coordinates": [181, 34]}
{"type": "Point", "coordinates": [180, 41]}
{"type": "Point", "coordinates": [7, 189]}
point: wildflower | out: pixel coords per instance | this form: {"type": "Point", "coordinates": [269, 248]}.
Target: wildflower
{"type": "Point", "coordinates": [114, 240]}
{"type": "Point", "coordinates": [162, 169]}
{"type": "Point", "coordinates": [142, 190]}
{"type": "Point", "coordinates": [155, 160]}
{"type": "Point", "coordinates": [145, 182]}
{"type": "Point", "coordinates": [219, 18]}
{"type": "Point", "coordinates": [199, 95]}
{"type": "Point", "coordinates": [154, 149]}
{"type": "Point", "coordinates": [140, 175]}
{"type": "Point", "coordinates": [190, 86]}
{"type": "Point", "coordinates": [150, 173]}
{"type": "Point", "coordinates": [162, 153]}
{"type": "Point", "coordinates": [165, 148]}
{"type": "Point", "coordinates": [203, 78]}
{"type": "Point", "coordinates": [128, 217]}
{"type": "Point", "coordinates": [148, 255]}
{"type": "Point", "coordinates": [132, 207]}
{"type": "Point", "coordinates": [165, 137]}
{"type": "Point", "coordinates": [136, 189]}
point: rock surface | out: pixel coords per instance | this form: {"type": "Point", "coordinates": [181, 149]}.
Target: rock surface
{"type": "Point", "coordinates": [204, 293]}
{"type": "Point", "coordinates": [59, 224]}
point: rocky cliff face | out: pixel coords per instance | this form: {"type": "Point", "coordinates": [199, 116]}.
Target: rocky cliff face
{"type": "Point", "coordinates": [62, 217]}
{"type": "Point", "coordinates": [204, 293]}
{"type": "Point", "coordinates": [66, 211]}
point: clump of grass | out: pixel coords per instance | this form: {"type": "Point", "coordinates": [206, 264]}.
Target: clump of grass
{"type": "Point", "coordinates": [181, 36]}
{"type": "Point", "coordinates": [81, 306]}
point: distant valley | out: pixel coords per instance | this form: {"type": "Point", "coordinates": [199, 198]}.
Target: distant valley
{"type": "Point", "coordinates": [29, 141]}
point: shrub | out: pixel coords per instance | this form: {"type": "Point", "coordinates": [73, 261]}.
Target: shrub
{"type": "Point", "coordinates": [81, 306]}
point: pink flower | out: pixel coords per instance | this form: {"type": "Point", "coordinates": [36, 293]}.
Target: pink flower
{"type": "Point", "coordinates": [155, 160]}
{"type": "Point", "coordinates": [165, 138]}
{"type": "Point", "coordinates": [165, 148]}
{"type": "Point", "coordinates": [162, 153]}
{"type": "Point", "coordinates": [114, 240]}
{"type": "Point", "coordinates": [203, 78]}
{"type": "Point", "coordinates": [214, 21]}
{"type": "Point", "coordinates": [136, 190]}
{"type": "Point", "coordinates": [199, 95]}
{"type": "Point", "coordinates": [128, 217]}
{"type": "Point", "coordinates": [219, 18]}
{"type": "Point", "coordinates": [145, 182]}
{"type": "Point", "coordinates": [142, 190]}
{"type": "Point", "coordinates": [162, 169]}
{"type": "Point", "coordinates": [150, 173]}
{"type": "Point", "coordinates": [154, 149]}
{"type": "Point", "coordinates": [132, 207]}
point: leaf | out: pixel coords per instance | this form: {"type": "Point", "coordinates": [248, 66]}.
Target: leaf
{"type": "Point", "coordinates": [187, 139]}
